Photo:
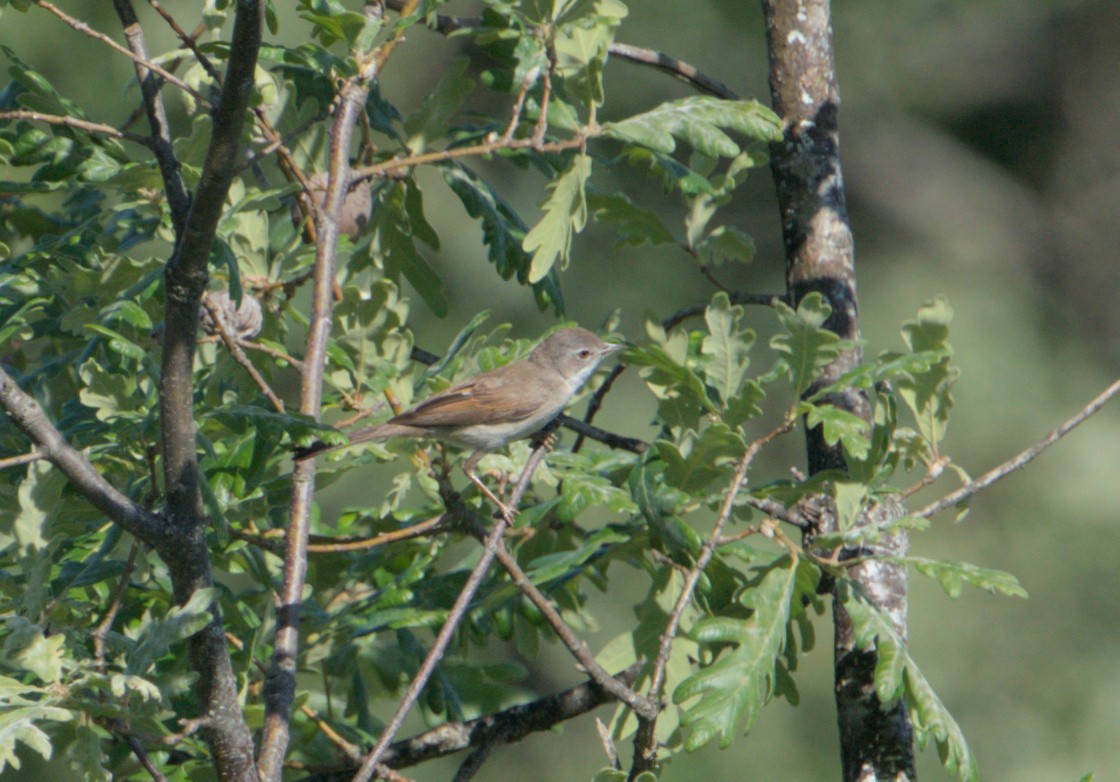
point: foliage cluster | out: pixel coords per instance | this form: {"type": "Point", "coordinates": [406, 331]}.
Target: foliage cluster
{"type": "Point", "coordinates": [92, 637]}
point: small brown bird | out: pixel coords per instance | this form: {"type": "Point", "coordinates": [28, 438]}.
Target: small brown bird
{"type": "Point", "coordinates": [496, 407]}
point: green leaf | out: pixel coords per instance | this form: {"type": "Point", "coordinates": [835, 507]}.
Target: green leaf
{"type": "Point", "coordinates": [18, 726]}
{"type": "Point", "coordinates": [681, 394]}
{"type": "Point", "coordinates": [659, 504]}
{"type": "Point", "coordinates": [839, 426]}
{"type": "Point", "coordinates": [432, 119]}
{"type": "Point", "coordinates": [954, 575]}
{"type": "Point", "coordinates": [725, 243]}
{"type": "Point", "coordinates": [635, 225]}
{"type": "Point", "coordinates": [699, 121]}
{"type": "Point", "coordinates": [503, 233]}
{"type": "Point", "coordinates": [694, 463]}
{"type": "Point", "coordinates": [393, 248]}
{"type": "Point", "coordinates": [927, 394]}
{"type": "Point", "coordinates": [39, 495]}
{"type": "Point", "coordinates": [728, 345]}
{"type": "Point", "coordinates": [565, 213]}
{"type": "Point", "coordinates": [160, 635]}
{"type": "Point", "coordinates": [805, 347]}
{"type": "Point", "coordinates": [896, 671]}
{"type": "Point", "coordinates": [28, 648]}
{"type": "Point", "coordinates": [733, 689]}
{"type": "Point", "coordinates": [584, 32]}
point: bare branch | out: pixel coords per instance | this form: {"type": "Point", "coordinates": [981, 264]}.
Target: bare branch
{"type": "Point", "coordinates": [178, 199]}
{"type": "Point", "coordinates": [85, 29]}
{"type": "Point", "coordinates": [454, 617]}
{"type": "Point", "coordinates": [280, 682]}
{"type": "Point", "coordinates": [682, 70]}
{"type": "Point", "coordinates": [318, 544]}
{"type": "Point", "coordinates": [78, 124]}
{"type": "Point", "coordinates": [22, 459]}
{"type": "Point", "coordinates": [1023, 459]}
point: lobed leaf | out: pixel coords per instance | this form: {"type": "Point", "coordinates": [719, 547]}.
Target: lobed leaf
{"type": "Point", "coordinates": [565, 214]}
{"type": "Point", "coordinates": [699, 121]}
{"type": "Point", "coordinates": [733, 689]}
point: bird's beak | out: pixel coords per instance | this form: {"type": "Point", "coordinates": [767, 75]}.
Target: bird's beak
{"type": "Point", "coordinates": [612, 347]}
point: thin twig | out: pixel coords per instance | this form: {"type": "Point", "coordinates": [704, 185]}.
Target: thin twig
{"type": "Point", "coordinates": [270, 351]}
{"type": "Point", "coordinates": [319, 544]}
{"type": "Point", "coordinates": [454, 617]}
{"type": "Point", "coordinates": [576, 646]}
{"type": "Point", "coordinates": [351, 750]}
{"type": "Point", "coordinates": [79, 124]}
{"type": "Point", "coordinates": [178, 198]}
{"type": "Point", "coordinates": [23, 458]}
{"type": "Point", "coordinates": [519, 104]}
{"type": "Point", "coordinates": [610, 439]}
{"type": "Point", "coordinates": [188, 40]}
{"type": "Point", "coordinates": [120, 729]}
{"type": "Point", "coordinates": [636, 54]}
{"type": "Point", "coordinates": [106, 624]}
{"type": "Point", "coordinates": [473, 150]}
{"type": "Point", "coordinates": [645, 749]}
{"type": "Point", "coordinates": [777, 510]}
{"type": "Point", "coordinates": [231, 343]}
{"type": "Point", "coordinates": [1021, 460]}
{"type": "Point", "coordinates": [85, 29]}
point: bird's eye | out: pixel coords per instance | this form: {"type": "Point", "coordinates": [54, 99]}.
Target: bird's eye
{"type": "Point", "coordinates": [585, 353]}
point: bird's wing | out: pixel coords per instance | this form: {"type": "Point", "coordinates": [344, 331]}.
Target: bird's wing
{"type": "Point", "coordinates": [480, 400]}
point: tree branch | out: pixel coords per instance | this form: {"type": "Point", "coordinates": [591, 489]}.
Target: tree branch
{"type": "Point", "coordinates": [281, 679]}
{"type": "Point", "coordinates": [819, 254]}
{"type": "Point", "coordinates": [178, 199]}
{"type": "Point", "coordinates": [645, 739]}
{"type": "Point", "coordinates": [446, 25]}
{"type": "Point", "coordinates": [1023, 459]}
{"type": "Point", "coordinates": [184, 548]}
{"type": "Point", "coordinates": [26, 414]}
{"type": "Point", "coordinates": [78, 124]}
{"type": "Point", "coordinates": [454, 617]}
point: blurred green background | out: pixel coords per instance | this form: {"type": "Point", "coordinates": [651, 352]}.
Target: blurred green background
{"type": "Point", "coordinates": [982, 161]}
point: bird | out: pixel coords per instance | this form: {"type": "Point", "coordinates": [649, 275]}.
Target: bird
{"type": "Point", "coordinates": [494, 408]}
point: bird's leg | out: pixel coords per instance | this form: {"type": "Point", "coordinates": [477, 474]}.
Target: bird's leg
{"type": "Point", "coordinates": [468, 468]}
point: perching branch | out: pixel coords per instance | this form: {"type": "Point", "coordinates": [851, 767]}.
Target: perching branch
{"type": "Point", "coordinates": [1023, 459]}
